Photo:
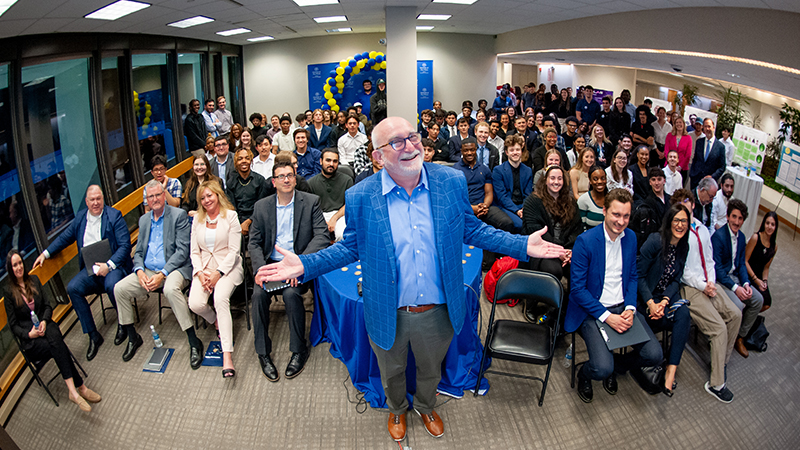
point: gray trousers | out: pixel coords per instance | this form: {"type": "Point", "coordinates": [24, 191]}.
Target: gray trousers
{"type": "Point", "coordinates": [719, 319]}
{"type": "Point", "coordinates": [428, 334]}
{"type": "Point", "coordinates": [129, 288]}
{"type": "Point", "coordinates": [750, 307]}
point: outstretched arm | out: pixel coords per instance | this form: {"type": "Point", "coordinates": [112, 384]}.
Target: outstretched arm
{"type": "Point", "coordinates": [286, 269]}
{"type": "Point", "coordinates": [539, 248]}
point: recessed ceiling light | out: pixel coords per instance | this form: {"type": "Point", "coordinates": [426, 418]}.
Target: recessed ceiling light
{"type": "Point", "coordinates": [315, 2]}
{"type": "Point", "coordinates": [262, 38]}
{"type": "Point", "coordinates": [5, 4]}
{"type": "Point", "coordinates": [115, 10]}
{"type": "Point", "coordinates": [190, 22]}
{"type": "Point", "coordinates": [709, 85]}
{"type": "Point", "coordinates": [329, 19]}
{"type": "Point", "coordinates": [424, 27]}
{"type": "Point", "coordinates": [340, 30]}
{"type": "Point", "coordinates": [233, 32]}
{"type": "Point", "coordinates": [434, 16]}
{"type": "Point", "coordinates": [456, 2]}
{"type": "Point", "coordinates": [676, 75]}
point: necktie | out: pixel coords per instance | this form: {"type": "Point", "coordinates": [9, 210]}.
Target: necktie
{"type": "Point", "coordinates": [708, 147]}
{"type": "Point", "coordinates": [480, 155]}
{"type": "Point", "coordinates": [702, 257]}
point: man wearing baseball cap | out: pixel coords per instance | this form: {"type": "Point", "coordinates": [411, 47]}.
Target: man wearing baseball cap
{"type": "Point", "coordinates": [378, 103]}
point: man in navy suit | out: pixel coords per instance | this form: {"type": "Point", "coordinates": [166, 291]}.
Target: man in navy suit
{"type": "Point", "coordinates": [709, 156]}
{"type": "Point", "coordinates": [100, 222]}
{"type": "Point", "coordinates": [512, 181]}
{"type": "Point", "coordinates": [407, 226]}
{"type": "Point", "coordinates": [318, 132]}
{"type": "Point", "coordinates": [729, 244]}
{"type": "Point", "coordinates": [607, 293]}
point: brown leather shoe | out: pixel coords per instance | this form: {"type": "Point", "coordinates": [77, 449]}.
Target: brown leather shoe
{"type": "Point", "coordinates": [433, 423]}
{"type": "Point", "coordinates": [764, 308]}
{"type": "Point", "coordinates": [739, 347]}
{"type": "Point", "coordinates": [81, 402]}
{"type": "Point", "coordinates": [90, 396]}
{"type": "Point", "coordinates": [397, 427]}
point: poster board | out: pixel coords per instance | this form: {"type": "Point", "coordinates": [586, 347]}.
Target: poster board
{"type": "Point", "coordinates": [689, 110]}
{"type": "Point", "coordinates": [658, 102]}
{"type": "Point", "coordinates": [789, 167]}
{"type": "Point", "coordinates": [750, 145]}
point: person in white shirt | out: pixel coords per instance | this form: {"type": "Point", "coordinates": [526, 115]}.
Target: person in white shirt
{"type": "Point", "coordinates": [672, 173]}
{"type": "Point", "coordinates": [350, 141]}
{"type": "Point", "coordinates": [284, 139]}
{"type": "Point", "coordinates": [730, 149]}
{"type": "Point", "coordinates": [497, 141]}
{"type": "Point", "coordinates": [661, 128]}
{"type": "Point", "coordinates": [224, 116]}
{"type": "Point", "coordinates": [213, 124]}
{"type": "Point", "coordinates": [711, 310]}
{"type": "Point", "coordinates": [262, 164]}
{"type": "Point", "coordinates": [719, 208]}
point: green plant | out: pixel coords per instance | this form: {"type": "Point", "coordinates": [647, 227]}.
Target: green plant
{"type": "Point", "coordinates": [790, 124]}
{"type": "Point", "coordinates": [686, 97]}
{"type": "Point", "coordinates": [772, 154]}
{"type": "Point", "coordinates": [731, 109]}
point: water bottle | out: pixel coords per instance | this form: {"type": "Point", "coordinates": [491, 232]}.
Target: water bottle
{"type": "Point", "coordinates": [157, 339]}
{"type": "Point", "coordinates": [568, 357]}
{"type": "Point", "coordinates": [34, 319]}
{"type": "Point", "coordinates": [541, 319]}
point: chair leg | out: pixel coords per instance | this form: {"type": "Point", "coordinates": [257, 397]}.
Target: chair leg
{"type": "Point", "coordinates": [159, 308]}
{"type": "Point", "coordinates": [78, 365]}
{"type": "Point", "coordinates": [481, 369]}
{"type": "Point", "coordinates": [42, 383]}
{"type": "Point", "coordinates": [103, 309]}
{"type": "Point", "coordinates": [572, 363]}
{"type": "Point", "coordinates": [544, 383]}
{"type": "Point", "coordinates": [136, 308]}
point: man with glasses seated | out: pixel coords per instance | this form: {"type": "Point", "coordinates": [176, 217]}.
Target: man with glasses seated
{"type": "Point", "coordinates": [704, 193]}
{"type": "Point", "coordinates": [161, 260]}
{"type": "Point", "coordinates": [222, 164]}
{"type": "Point", "coordinates": [172, 186]}
{"type": "Point", "coordinates": [291, 219]}
{"type": "Point", "coordinates": [100, 222]}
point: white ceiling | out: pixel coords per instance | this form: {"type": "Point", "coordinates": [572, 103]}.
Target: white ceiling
{"type": "Point", "coordinates": [283, 19]}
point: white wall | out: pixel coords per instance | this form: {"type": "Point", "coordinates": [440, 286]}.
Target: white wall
{"type": "Point", "coordinates": [276, 80]}
{"type": "Point", "coordinates": [563, 75]}
{"type": "Point", "coordinates": [606, 78]}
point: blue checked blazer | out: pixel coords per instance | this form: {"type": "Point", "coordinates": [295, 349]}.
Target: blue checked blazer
{"type": "Point", "coordinates": [368, 237]}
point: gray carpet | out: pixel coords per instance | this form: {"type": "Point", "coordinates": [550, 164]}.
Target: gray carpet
{"type": "Point", "coordinates": [198, 409]}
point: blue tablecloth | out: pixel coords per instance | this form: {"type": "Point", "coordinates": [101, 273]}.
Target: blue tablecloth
{"type": "Point", "coordinates": [339, 319]}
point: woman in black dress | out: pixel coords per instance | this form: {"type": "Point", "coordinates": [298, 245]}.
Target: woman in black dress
{"type": "Point", "coordinates": [760, 252]}
{"type": "Point", "coordinates": [23, 296]}
{"type": "Point", "coordinates": [641, 184]}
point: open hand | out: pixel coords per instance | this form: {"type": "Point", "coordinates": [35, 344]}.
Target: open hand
{"type": "Point", "coordinates": [286, 269]}
{"type": "Point", "coordinates": [539, 248]}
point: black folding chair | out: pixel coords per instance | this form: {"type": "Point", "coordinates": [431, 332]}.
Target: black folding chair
{"type": "Point", "coordinates": [36, 367]}
{"type": "Point", "coordinates": [519, 341]}
{"type": "Point", "coordinates": [111, 307]}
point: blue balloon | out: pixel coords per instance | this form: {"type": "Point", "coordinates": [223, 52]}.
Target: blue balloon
{"type": "Point", "coordinates": [324, 106]}
{"type": "Point", "coordinates": [331, 82]}
{"type": "Point", "coordinates": [352, 63]}
{"type": "Point", "coordinates": [338, 97]}
{"type": "Point", "coordinates": [334, 90]}
{"type": "Point", "coordinates": [365, 55]}
{"type": "Point", "coordinates": [346, 77]}
{"type": "Point", "coordinates": [379, 59]}
{"type": "Point", "coordinates": [371, 62]}
{"type": "Point", "coordinates": [332, 74]}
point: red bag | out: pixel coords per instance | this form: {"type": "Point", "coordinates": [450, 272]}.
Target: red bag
{"type": "Point", "coordinates": [499, 267]}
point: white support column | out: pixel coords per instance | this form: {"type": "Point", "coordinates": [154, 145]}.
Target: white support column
{"type": "Point", "coordinates": [401, 62]}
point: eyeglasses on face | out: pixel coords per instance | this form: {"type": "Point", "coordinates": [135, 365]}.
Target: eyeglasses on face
{"type": "Point", "coordinates": [287, 176]}
{"type": "Point", "coordinates": [400, 143]}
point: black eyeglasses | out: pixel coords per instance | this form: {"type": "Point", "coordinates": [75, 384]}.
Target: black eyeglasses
{"type": "Point", "coordinates": [400, 143]}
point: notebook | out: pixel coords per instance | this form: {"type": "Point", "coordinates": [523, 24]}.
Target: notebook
{"type": "Point", "coordinates": [634, 335]}
{"type": "Point", "coordinates": [273, 286]}
{"type": "Point", "coordinates": [94, 253]}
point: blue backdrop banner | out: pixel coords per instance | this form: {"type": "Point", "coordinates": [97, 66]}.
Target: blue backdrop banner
{"type": "Point", "coordinates": [318, 73]}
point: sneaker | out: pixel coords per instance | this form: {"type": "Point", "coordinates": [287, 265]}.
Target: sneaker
{"type": "Point", "coordinates": [724, 395]}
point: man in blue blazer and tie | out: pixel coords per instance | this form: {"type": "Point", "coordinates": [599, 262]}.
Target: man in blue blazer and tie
{"type": "Point", "coordinates": [407, 227]}
{"type": "Point", "coordinates": [730, 267]}
{"type": "Point", "coordinates": [709, 156]}
{"type": "Point", "coordinates": [604, 285]}
{"type": "Point", "coordinates": [100, 222]}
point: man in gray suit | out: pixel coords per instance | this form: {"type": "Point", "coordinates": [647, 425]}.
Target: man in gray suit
{"type": "Point", "coordinates": [161, 260]}
{"type": "Point", "coordinates": [291, 219]}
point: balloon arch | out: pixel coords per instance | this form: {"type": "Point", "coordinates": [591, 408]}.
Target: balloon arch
{"type": "Point", "coordinates": [360, 62]}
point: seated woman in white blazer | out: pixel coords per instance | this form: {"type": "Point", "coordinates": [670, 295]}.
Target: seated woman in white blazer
{"type": "Point", "coordinates": [216, 264]}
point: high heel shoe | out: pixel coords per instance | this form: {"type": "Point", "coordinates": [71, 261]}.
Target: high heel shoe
{"type": "Point", "coordinates": [228, 373]}
{"type": "Point", "coordinates": [670, 392]}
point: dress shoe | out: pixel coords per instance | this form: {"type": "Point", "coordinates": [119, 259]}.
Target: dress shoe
{"type": "Point", "coordinates": [585, 389]}
{"type": "Point", "coordinates": [121, 335]}
{"type": "Point", "coordinates": [81, 402]}
{"type": "Point", "coordinates": [397, 426]}
{"type": "Point", "coordinates": [433, 424]}
{"type": "Point", "coordinates": [530, 313]}
{"type": "Point", "coordinates": [268, 368]}
{"type": "Point", "coordinates": [196, 355]}
{"type": "Point", "coordinates": [296, 364]}
{"type": "Point", "coordinates": [94, 345]}
{"type": "Point", "coordinates": [610, 384]}
{"type": "Point", "coordinates": [130, 350]}
{"type": "Point", "coordinates": [740, 348]}
{"type": "Point", "coordinates": [90, 396]}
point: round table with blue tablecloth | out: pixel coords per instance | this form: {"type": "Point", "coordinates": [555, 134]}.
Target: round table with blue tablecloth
{"type": "Point", "coordinates": [339, 319]}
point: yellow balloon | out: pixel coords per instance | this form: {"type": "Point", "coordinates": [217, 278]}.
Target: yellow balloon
{"type": "Point", "coordinates": [361, 63]}
{"type": "Point", "coordinates": [340, 86]}
{"type": "Point", "coordinates": [355, 71]}
{"type": "Point", "coordinates": [326, 88]}
{"type": "Point", "coordinates": [155, 128]}
{"type": "Point", "coordinates": [339, 70]}
{"type": "Point", "coordinates": [135, 94]}
{"type": "Point", "coordinates": [146, 120]}
{"type": "Point", "coordinates": [331, 102]}
{"type": "Point", "coordinates": [380, 53]}
{"type": "Point", "coordinates": [148, 113]}
{"type": "Point", "coordinates": [328, 95]}
{"type": "Point", "coordinates": [144, 127]}
{"type": "Point", "coordinates": [373, 54]}
{"type": "Point", "coordinates": [343, 63]}
{"type": "Point", "coordinates": [339, 79]}
{"type": "Point", "coordinates": [383, 64]}
{"type": "Point", "coordinates": [335, 108]}
{"type": "Point", "coordinates": [147, 106]}
{"type": "Point", "coordinates": [376, 67]}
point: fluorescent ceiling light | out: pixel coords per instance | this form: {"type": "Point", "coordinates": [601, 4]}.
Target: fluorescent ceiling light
{"type": "Point", "coordinates": [190, 22]}
{"type": "Point", "coordinates": [5, 4]}
{"type": "Point", "coordinates": [316, 2]}
{"type": "Point", "coordinates": [259, 39]}
{"type": "Point", "coordinates": [116, 10]}
{"type": "Point", "coordinates": [330, 19]}
{"type": "Point", "coordinates": [340, 30]}
{"type": "Point", "coordinates": [424, 27]}
{"type": "Point", "coordinates": [233, 32]}
{"type": "Point", "coordinates": [456, 2]}
{"type": "Point", "coordinates": [434, 16]}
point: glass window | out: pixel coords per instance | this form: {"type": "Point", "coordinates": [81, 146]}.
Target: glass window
{"type": "Point", "coordinates": [60, 133]}
{"type": "Point", "coordinates": [230, 86]}
{"type": "Point", "coordinates": [118, 152]}
{"type": "Point", "coordinates": [151, 104]}
{"type": "Point", "coordinates": [190, 84]}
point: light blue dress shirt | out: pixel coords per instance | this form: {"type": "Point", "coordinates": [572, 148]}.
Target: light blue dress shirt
{"type": "Point", "coordinates": [483, 155]}
{"type": "Point", "coordinates": [418, 275]}
{"type": "Point", "coordinates": [285, 234]}
{"type": "Point", "coordinates": [154, 259]}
